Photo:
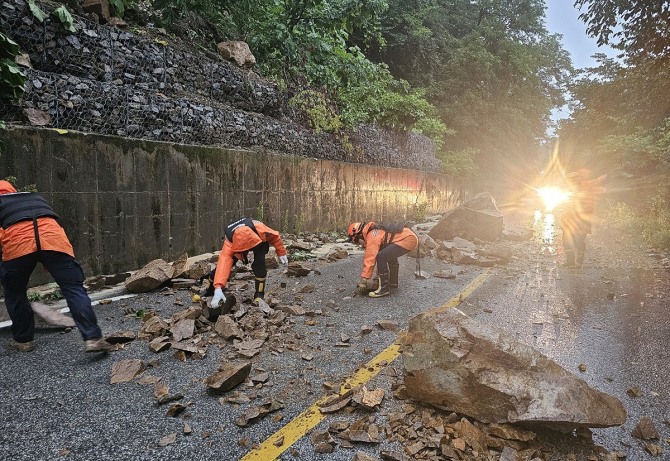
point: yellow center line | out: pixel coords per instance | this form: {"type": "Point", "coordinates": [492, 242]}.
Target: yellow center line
{"type": "Point", "coordinates": [299, 426]}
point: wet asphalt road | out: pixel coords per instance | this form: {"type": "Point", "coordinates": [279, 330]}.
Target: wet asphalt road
{"type": "Point", "coordinates": [58, 404]}
{"type": "Point", "coordinates": [610, 316]}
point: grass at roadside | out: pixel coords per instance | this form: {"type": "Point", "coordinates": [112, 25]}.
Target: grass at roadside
{"type": "Point", "coordinates": [651, 220]}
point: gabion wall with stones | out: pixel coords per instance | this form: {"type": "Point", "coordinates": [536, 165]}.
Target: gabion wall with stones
{"type": "Point", "coordinates": [104, 80]}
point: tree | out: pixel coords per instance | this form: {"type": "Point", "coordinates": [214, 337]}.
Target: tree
{"type": "Point", "coordinates": [489, 67]}
{"type": "Point", "coordinates": [640, 28]}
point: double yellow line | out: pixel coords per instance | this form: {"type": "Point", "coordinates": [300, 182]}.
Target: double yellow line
{"type": "Point", "coordinates": [285, 437]}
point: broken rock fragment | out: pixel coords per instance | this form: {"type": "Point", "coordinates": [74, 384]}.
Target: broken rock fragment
{"type": "Point", "coordinates": [228, 377]}
{"type": "Point", "coordinates": [369, 399]}
{"type": "Point", "coordinates": [227, 328]}
{"type": "Point", "coordinates": [151, 276]}
{"type": "Point", "coordinates": [183, 329]}
{"type": "Point", "coordinates": [296, 269]}
{"type": "Point", "coordinates": [458, 364]}
{"type": "Point", "coordinates": [125, 370]}
{"type": "Point", "coordinates": [255, 413]}
{"type": "Point", "coordinates": [645, 429]}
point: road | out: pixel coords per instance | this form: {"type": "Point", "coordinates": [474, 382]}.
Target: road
{"type": "Point", "coordinates": [58, 403]}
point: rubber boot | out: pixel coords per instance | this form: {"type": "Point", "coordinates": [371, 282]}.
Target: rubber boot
{"type": "Point", "coordinates": [393, 275]}
{"type": "Point", "coordinates": [383, 289]}
{"type": "Point", "coordinates": [579, 262]}
{"type": "Point", "coordinates": [260, 289]}
{"type": "Point", "coordinates": [569, 259]}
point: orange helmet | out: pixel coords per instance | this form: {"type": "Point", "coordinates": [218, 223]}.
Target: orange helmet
{"type": "Point", "coordinates": [355, 231]}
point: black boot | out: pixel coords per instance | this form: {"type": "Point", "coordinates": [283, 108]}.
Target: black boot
{"type": "Point", "coordinates": [579, 262]}
{"type": "Point", "coordinates": [383, 289]}
{"type": "Point", "coordinates": [260, 289]}
{"type": "Point", "coordinates": [569, 259]}
{"type": "Point", "coordinates": [393, 274]}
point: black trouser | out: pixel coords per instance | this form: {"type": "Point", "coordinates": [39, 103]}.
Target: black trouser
{"type": "Point", "coordinates": [258, 266]}
{"type": "Point", "coordinates": [389, 255]}
{"type": "Point", "coordinates": [70, 279]}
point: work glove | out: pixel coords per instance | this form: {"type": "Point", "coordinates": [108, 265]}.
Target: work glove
{"type": "Point", "coordinates": [217, 298]}
{"type": "Point", "coordinates": [283, 260]}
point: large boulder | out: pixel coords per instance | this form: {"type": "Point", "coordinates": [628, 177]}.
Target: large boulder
{"type": "Point", "coordinates": [477, 218]}
{"type": "Point", "coordinates": [150, 277]}
{"type": "Point", "coordinates": [237, 52]}
{"type": "Point", "coordinates": [457, 364]}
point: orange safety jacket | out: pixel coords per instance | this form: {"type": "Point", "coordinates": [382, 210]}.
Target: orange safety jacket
{"type": "Point", "coordinates": [244, 240]}
{"type": "Point", "coordinates": [19, 239]}
{"type": "Point", "coordinates": [376, 238]}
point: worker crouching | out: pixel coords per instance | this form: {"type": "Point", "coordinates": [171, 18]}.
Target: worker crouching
{"type": "Point", "coordinates": [384, 243]}
{"type": "Point", "coordinates": [243, 236]}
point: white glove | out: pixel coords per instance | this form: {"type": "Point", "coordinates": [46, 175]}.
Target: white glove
{"type": "Point", "coordinates": [283, 260]}
{"type": "Point", "coordinates": [217, 298]}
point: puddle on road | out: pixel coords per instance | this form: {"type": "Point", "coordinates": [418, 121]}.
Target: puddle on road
{"type": "Point", "coordinates": [545, 230]}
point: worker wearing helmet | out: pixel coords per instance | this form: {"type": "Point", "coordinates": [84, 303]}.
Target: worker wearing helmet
{"type": "Point", "coordinates": [383, 244]}
{"type": "Point", "coordinates": [30, 233]}
{"type": "Point", "coordinates": [243, 236]}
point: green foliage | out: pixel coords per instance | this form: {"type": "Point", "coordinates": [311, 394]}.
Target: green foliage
{"type": "Point", "coordinates": [65, 18]}
{"type": "Point", "coordinates": [48, 297]}
{"type": "Point", "coordinates": [419, 211]}
{"type": "Point", "coordinates": [321, 116]}
{"type": "Point", "coordinates": [12, 78]}
{"type": "Point", "coordinates": [119, 7]}
{"type": "Point", "coordinates": [637, 27]}
{"type": "Point", "coordinates": [652, 221]}
{"type": "Point", "coordinates": [26, 188]}
{"type": "Point", "coordinates": [620, 117]}
{"type": "Point", "coordinates": [478, 75]}
{"type": "Point", "coordinates": [36, 11]}
{"type": "Point", "coordinates": [213, 13]}
{"type": "Point", "coordinates": [621, 216]}
{"type": "Point", "coordinates": [461, 164]}
{"type": "Point", "coordinates": [490, 69]}
{"type": "Point", "coordinates": [260, 211]}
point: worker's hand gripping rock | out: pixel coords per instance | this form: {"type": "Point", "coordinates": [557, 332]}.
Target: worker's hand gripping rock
{"type": "Point", "coordinates": [366, 285]}
{"type": "Point", "coordinates": [283, 260]}
{"type": "Point", "coordinates": [217, 298]}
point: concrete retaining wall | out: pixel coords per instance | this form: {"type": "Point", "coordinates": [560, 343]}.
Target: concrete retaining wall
{"type": "Point", "coordinates": [124, 202]}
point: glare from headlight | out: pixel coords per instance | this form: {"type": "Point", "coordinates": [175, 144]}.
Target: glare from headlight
{"type": "Point", "coordinates": [552, 197]}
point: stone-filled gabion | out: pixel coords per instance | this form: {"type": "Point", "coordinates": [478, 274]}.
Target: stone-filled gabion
{"type": "Point", "coordinates": [107, 54]}
{"type": "Point", "coordinates": [104, 80]}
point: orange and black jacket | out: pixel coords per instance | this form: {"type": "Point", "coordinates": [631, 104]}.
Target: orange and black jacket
{"type": "Point", "coordinates": [376, 238]}
{"type": "Point", "coordinates": [244, 239]}
{"type": "Point", "coordinates": [18, 239]}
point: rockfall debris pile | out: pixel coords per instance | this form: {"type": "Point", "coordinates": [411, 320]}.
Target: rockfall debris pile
{"type": "Point", "coordinates": [463, 391]}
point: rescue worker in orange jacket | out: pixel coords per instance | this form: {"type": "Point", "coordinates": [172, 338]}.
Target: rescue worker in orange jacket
{"type": "Point", "coordinates": [382, 248]}
{"type": "Point", "coordinates": [243, 236]}
{"type": "Point", "coordinates": [29, 234]}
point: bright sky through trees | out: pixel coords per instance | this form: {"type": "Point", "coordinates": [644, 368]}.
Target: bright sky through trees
{"type": "Point", "coordinates": [563, 18]}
